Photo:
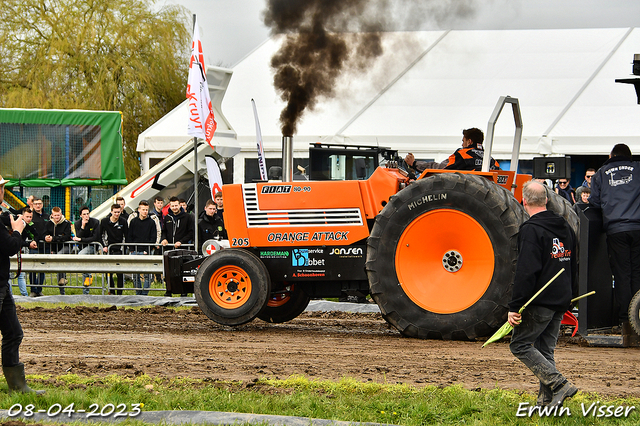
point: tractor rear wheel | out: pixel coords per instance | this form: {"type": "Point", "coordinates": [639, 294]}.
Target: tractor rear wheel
{"type": "Point", "coordinates": [562, 207]}
{"type": "Point", "coordinates": [442, 254]}
{"type": "Point", "coordinates": [232, 286]}
{"type": "Point", "coordinates": [634, 312]}
{"type": "Point", "coordinates": [285, 305]}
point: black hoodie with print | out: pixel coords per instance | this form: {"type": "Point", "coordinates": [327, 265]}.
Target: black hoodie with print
{"type": "Point", "coordinates": [546, 244]}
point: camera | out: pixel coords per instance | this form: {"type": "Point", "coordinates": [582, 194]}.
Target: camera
{"type": "Point", "coordinates": [6, 220]}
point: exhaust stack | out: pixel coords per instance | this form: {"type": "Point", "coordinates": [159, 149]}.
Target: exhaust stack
{"type": "Point", "coordinates": [287, 159]}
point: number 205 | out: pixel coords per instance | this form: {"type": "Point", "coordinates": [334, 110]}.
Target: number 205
{"type": "Point", "coordinates": [240, 242]}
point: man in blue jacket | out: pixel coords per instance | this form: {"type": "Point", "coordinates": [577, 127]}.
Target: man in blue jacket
{"type": "Point", "coordinates": [615, 188]}
{"type": "Point", "coordinates": [546, 244]}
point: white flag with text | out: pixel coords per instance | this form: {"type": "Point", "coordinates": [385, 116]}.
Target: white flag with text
{"type": "Point", "coordinates": [202, 123]}
{"type": "Point", "coordinates": [262, 165]}
{"type": "Point", "coordinates": [215, 178]}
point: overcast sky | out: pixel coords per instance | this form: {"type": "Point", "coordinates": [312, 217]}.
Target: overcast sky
{"type": "Point", "coordinates": [231, 29]}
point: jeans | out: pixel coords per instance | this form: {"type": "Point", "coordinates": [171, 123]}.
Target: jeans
{"type": "Point", "coordinates": [624, 258]}
{"type": "Point", "coordinates": [10, 328]}
{"type": "Point", "coordinates": [22, 284]}
{"type": "Point", "coordinates": [90, 249]}
{"type": "Point", "coordinates": [146, 279]}
{"type": "Point", "coordinates": [36, 278]}
{"type": "Point", "coordinates": [534, 341]}
{"type": "Point", "coordinates": [119, 277]}
{"type": "Point", "coordinates": [61, 275]}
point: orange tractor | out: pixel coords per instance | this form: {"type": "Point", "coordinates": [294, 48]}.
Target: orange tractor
{"type": "Point", "coordinates": [436, 254]}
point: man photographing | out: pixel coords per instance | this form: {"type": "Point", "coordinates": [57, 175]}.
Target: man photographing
{"type": "Point", "coordinates": [10, 244]}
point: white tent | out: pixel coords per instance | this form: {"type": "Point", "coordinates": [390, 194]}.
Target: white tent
{"type": "Point", "coordinates": [429, 85]}
{"type": "Point", "coordinates": [170, 132]}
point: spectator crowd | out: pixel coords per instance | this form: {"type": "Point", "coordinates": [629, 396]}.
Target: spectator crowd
{"type": "Point", "coordinates": [150, 229]}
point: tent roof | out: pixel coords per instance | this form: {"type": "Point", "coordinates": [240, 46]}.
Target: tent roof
{"type": "Point", "coordinates": [429, 85]}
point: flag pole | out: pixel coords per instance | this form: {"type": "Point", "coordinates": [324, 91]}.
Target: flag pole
{"type": "Point", "coordinates": [196, 212]}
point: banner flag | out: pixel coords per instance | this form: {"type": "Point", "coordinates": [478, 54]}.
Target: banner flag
{"type": "Point", "coordinates": [202, 123]}
{"type": "Point", "coordinates": [215, 178]}
{"type": "Point", "coordinates": [262, 165]}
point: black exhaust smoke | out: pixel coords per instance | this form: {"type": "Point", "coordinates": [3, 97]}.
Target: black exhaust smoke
{"type": "Point", "coordinates": [316, 49]}
{"type": "Point", "coordinates": [327, 38]}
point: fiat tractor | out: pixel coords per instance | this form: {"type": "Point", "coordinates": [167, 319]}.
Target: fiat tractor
{"type": "Point", "coordinates": [436, 253]}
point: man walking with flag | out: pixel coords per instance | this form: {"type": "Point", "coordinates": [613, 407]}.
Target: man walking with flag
{"type": "Point", "coordinates": [546, 244]}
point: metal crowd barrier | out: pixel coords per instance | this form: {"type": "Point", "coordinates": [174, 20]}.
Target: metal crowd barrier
{"type": "Point", "coordinates": [97, 262]}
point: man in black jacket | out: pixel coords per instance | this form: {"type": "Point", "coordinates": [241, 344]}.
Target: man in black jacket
{"type": "Point", "coordinates": [40, 219]}
{"type": "Point", "coordinates": [210, 226]}
{"type": "Point", "coordinates": [178, 225]}
{"type": "Point", "coordinates": [29, 241]}
{"type": "Point", "coordinates": [469, 157]}
{"type": "Point", "coordinates": [219, 205]}
{"type": "Point", "coordinates": [10, 244]}
{"type": "Point", "coordinates": [615, 188]}
{"type": "Point", "coordinates": [142, 229]}
{"type": "Point", "coordinates": [546, 244]}
{"type": "Point", "coordinates": [114, 230]}
{"type": "Point", "coordinates": [88, 234]}
{"type": "Point", "coordinates": [57, 233]}
{"type": "Point", "coordinates": [158, 204]}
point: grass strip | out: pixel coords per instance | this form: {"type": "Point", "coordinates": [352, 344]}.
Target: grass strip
{"type": "Point", "coordinates": [344, 400]}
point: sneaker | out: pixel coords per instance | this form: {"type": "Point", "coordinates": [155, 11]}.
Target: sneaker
{"type": "Point", "coordinates": [167, 294]}
{"type": "Point", "coordinates": [565, 391]}
{"type": "Point", "coordinates": [32, 294]}
{"type": "Point", "coordinates": [62, 281]}
{"type": "Point", "coordinates": [87, 281]}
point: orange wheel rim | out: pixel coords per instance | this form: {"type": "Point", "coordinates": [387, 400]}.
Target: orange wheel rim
{"type": "Point", "coordinates": [278, 300]}
{"type": "Point", "coordinates": [444, 261]}
{"type": "Point", "coordinates": [230, 287]}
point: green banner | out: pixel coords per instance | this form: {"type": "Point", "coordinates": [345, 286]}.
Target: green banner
{"type": "Point", "coordinates": [49, 148]}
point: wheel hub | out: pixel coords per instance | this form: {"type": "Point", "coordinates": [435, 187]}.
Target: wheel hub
{"type": "Point", "coordinates": [232, 286]}
{"type": "Point", "coordinates": [452, 261]}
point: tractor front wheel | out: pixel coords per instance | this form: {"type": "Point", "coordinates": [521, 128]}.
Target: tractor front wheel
{"type": "Point", "coordinates": [232, 286]}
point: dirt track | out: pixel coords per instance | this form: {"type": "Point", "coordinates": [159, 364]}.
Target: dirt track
{"type": "Point", "coordinates": [165, 342]}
